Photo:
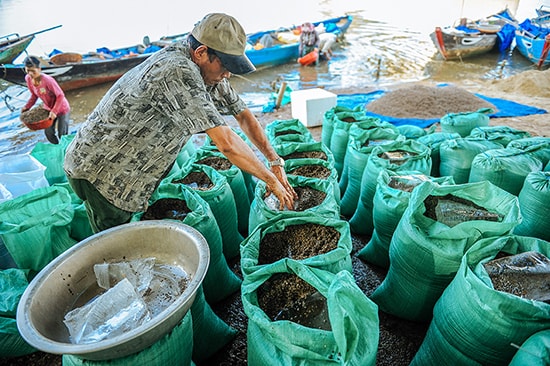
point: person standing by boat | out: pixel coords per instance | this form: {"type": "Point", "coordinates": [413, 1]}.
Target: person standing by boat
{"type": "Point", "coordinates": [326, 41]}
{"type": "Point", "coordinates": [309, 39]}
{"type": "Point", "coordinates": [132, 138]}
{"type": "Point", "coordinates": [45, 88]}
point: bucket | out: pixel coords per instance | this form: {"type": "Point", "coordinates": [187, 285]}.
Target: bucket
{"type": "Point", "coordinates": [309, 58]}
{"type": "Point", "coordinates": [20, 174]}
{"type": "Point", "coordinates": [36, 118]}
{"type": "Point", "coordinates": [40, 125]}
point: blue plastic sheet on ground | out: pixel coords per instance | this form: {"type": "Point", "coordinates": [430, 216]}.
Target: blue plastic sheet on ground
{"type": "Point", "coordinates": [505, 108]}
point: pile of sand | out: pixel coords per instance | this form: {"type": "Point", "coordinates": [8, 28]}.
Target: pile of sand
{"type": "Point", "coordinates": [427, 102]}
{"type": "Point", "coordinates": [532, 82]}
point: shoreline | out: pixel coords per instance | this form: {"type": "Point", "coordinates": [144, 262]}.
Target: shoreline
{"type": "Point", "coordinates": [530, 88]}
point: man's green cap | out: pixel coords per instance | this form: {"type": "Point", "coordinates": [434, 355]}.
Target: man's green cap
{"type": "Point", "coordinates": [223, 34]}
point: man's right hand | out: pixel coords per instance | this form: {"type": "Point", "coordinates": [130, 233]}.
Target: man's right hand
{"type": "Point", "coordinates": [285, 197]}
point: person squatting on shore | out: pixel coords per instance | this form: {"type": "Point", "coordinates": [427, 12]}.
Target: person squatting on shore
{"type": "Point", "coordinates": [132, 138]}
{"type": "Point", "coordinates": [45, 88]}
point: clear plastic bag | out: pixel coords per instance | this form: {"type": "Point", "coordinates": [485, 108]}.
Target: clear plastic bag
{"type": "Point", "coordinates": [115, 312]}
{"type": "Point", "coordinates": [139, 272]}
{"type": "Point", "coordinates": [526, 275]}
{"type": "Point", "coordinates": [407, 183]}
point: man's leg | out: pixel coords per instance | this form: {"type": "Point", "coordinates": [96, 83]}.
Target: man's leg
{"type": "Point", "coordinates": [101, 213]}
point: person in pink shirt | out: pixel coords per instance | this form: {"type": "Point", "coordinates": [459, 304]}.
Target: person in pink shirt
{"type": "Point", "coordinates": [45, 87]}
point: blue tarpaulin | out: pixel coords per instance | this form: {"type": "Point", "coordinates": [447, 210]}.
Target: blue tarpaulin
{"type": "Point", "coordinates": [504, 108]}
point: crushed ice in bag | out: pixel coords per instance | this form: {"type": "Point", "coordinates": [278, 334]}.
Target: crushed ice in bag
{"type": "Point", "coordinates": [407, 183]}
{"type": "Point", "coordinates": [137, 291]}
{"type": "Point", "coordinates": [526, 275]}
{"type": "Point", "coordinates": [118, 310]}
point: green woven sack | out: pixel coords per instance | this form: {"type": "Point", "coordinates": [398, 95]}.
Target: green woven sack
{"type": "Point", "coordinates": [80, 225]}
{"type": "Point", "coordinates": [287, 130]}
{"type": "Point", "coordinates": [13, 282]}
{"type": "Point", "coordinates": [175, 348]}
{"type": "Point", "coordinates": [250, 180]}
{"type": "Point", "coordinates": [186, 153]}
{"type": "Point", "coordinates": [219, 281]}
{"type": "Point", "coordinates": [500, 134]}
{"type": "Point", "coordinates": [52, 157]}
{"type": "Point", "coordinates": [414, 156]}
{"type": "Point", "coordinates": [389, 203]}
{"type": "Point", "coordinates": [221, 201]}
{"type": "Point", "coordinates": [351, 340]}
{"type": "Point", "coordinates": [236, 181]}
{"type": "Point", "coordinates": [36, 226]}
{"type": "Point", "coordinates": [328, 122]}
{"type": "Point", "coordinates": [456, 156]}
{"type": "Point", "coordinates": [340, 135]}
{"type": "Point", "coordinates": [506, 168]}
{"type": "Point", "coordinates": [463, 123]}
{"type": "Point", "coordinates": [335, 260]}
{"type": "Point", "coordinates": [361, 143]}
{"type": "Point", "coordinates": [318, 166]}
{"type": "Point", "coordinates": [533, 203]}
{"type": "Point", "coordinates": [264, 208]}
{"type": "Point", "coordinates": [474, 324]}
{"type": "Point", "coordinates": [535, 351]}
{"type": "Point", "coordinates": [415, 132]}
{"type": "Point", "coordinates": [538, 146]}
{"type": "Point", "coordinates": [425, 253]}
{"type": "Point", "coordinates": [434, 141]}
{"type": "Point", "coordinates": [210, 332]}
{"type": "Point", "coordinates": [299, 150]}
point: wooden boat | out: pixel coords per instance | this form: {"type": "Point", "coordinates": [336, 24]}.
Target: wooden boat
{"type": "Point", "coordinates": [533, 38]}
{"type": "Point", "coordinates": [282, 44]}
{"type": "Point", "coordinates": [12, 45]}
{"type": "Point", "coordinates": [470, 38]}
{"type": "Point", "coordinates": [75, 71]}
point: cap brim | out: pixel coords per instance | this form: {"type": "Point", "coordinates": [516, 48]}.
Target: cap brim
{"type": "Point", "coordinates": [238, 65]}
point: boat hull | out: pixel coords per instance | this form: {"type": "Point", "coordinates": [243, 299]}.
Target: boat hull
{"type": "Point", "coordinates": [77, 75]}
{"type": "Point", "coordinates": [285, 53]}
{"type": "Point", "coordinates": [533, 48]}
{"type": "Point", "coordinates": [454, 46]}
{"type": "Point", "coordinates": [10, 50]}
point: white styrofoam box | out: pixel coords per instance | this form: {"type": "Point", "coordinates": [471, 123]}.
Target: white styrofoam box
{"type": "Point", "coordinates": [310, 105]}
{"type": "Point", "coordinates": [20, 174]}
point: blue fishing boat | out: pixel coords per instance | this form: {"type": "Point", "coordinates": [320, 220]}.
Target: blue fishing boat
{"type": "Point", "coordinates": [533, 40]}
{"type": "Point", "coordinates": [278, 46]}
{"type": "Point", "coordinates": [283, 44]}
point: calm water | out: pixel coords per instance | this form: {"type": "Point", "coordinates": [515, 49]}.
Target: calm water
{"type": "Point", "coordinates": [387, 42]}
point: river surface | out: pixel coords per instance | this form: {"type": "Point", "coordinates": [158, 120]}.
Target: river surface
{"type": "Point", "coordinates": [388, 42]}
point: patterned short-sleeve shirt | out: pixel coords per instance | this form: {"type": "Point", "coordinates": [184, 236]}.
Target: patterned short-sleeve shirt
{"type": "Point", "coordinates": [139, 127]}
